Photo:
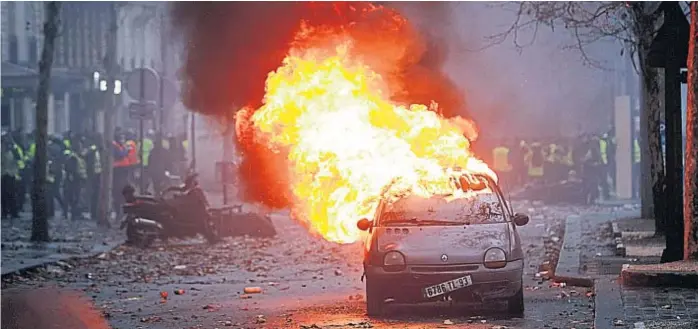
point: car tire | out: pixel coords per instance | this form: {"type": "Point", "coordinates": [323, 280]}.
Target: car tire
{"type": "Point", "coordinates": [515, 304]}
{"type": "Point", "coordinates": [374, 298]}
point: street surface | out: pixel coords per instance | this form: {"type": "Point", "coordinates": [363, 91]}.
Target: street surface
{"type": "Point", "coordinates": [306, 282]}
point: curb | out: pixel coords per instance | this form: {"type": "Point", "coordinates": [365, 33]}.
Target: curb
{"type": "Point", "coordinates": [641, 278]}
{"type": "Point", "coordinates": [608, 303]}
{"type": "Point", "coordinates": [567, 268]}
{"type": "Point", "coordinates": [97, 250]}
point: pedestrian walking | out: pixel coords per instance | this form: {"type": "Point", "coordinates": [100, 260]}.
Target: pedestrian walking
{"type": "Point", "coordinates": [75, 177]}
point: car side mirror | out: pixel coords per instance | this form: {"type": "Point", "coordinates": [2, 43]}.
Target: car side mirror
{"type": "Point", "coordinates": [363, 224]}
{"type": "Point", "coordinates": [520, 219]}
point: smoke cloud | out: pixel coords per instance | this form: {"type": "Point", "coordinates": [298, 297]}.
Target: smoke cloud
{"type": "Point", "coordinates": [232, 46]}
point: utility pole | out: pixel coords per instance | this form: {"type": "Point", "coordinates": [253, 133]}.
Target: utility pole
{"type": "Point", "coordinates": [163, 59]}
{"type": "Point", "coordinates": [669, 51]}
{"type": "Point", "coordinates": [105, 192]}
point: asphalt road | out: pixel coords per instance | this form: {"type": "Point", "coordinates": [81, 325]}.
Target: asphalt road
{"type": "Point", "coordinates": [306, 282]}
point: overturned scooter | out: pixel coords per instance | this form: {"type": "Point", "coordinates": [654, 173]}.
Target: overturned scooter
{"type": "Point", "coordinates": [187, 214]}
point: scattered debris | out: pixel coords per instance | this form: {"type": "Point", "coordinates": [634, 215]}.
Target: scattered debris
{"type": "Point", "coordinates": [151, 319]}
{"type": "Point", "coordinates": [180, 267]}
{"type": "Point", "coordinates": [228, 323]}
{"type": "Point", "coordinates": [211, 307]}
{"type": "Point", "coordinates": [666, 307]}
{"type": "Point", "coordinates": [618, 322]}
{"type": "Point", "coordinates": [261, 319]}
{"type": "Point", "coordinates": [356, 297]}
{"type": "Point", "coordinates": [448, 322]}
{"type": "Point", "coordinates": [311, 326]}
{"type": "Point", "coordinates": [337, 272]}
{"type": "Point", "coordinates": [252, 290]}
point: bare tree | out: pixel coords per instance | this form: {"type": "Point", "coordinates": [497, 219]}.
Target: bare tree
{"type": "Point", "coordinates": [39, 213]}
{"type": "Point", "coordinates": [690, 200]}
{"type": "Point", "coordinates": [633, 25]}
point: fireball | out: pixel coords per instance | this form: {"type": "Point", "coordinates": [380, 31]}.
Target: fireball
{"type": "Point", "coordinates": [330, 110]}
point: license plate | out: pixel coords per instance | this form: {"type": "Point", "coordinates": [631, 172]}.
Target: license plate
{"type": "Point", "coordinates": [448, 286]}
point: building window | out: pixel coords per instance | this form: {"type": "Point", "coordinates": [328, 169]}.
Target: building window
{"type": "Point", "coordinates": [133, 63]}
{"type": "Point", "coordinates": [14, 50]}
{"type": "Point", "coordinates": [33, 51]}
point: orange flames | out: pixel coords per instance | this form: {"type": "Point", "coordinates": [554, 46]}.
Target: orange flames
{"type": "Point", "coordinates": [329, 107]}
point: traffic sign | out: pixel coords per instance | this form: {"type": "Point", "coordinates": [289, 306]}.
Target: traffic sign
{"type": "Point", "coordinates": [141, 110]}
{"type": "Point", "coordinates": [142, 84]}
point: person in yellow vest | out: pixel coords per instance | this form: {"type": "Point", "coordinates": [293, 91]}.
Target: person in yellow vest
{"type": "Point", "coordinates": [147, 147]}
{"type": "Point", "coordinates": [501, 164]}
{"type": "Point", "coordinates": [93, 165]}
{"type": "Point", "coordinates": [549, 163]}
{"type": "Point", "coordinates": [10, 174]}
{"type": "Point", "coordinates": [75, 177]}
{"type": "Point", "coordinates": [535, 161]}
{"type": "Point", "coordinates": [592, 170]}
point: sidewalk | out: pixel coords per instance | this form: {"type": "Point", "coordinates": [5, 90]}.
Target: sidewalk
{"type": "Point", "coordinates": [590, 255]}
{"type": "Point", "coordinates": [69, 239]}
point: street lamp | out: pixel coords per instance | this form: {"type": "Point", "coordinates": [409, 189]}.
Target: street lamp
{"type": "Point", "coordinates": [95, 79]}
{"type": "Point", "coordinates": [117, 86]}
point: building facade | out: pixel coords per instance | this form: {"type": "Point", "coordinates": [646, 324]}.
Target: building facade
{"type": "Point", "coordinates": [75, 101]}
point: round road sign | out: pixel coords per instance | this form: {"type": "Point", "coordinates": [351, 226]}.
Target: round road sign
{"type": "Point", "coordinates": [142, 84]}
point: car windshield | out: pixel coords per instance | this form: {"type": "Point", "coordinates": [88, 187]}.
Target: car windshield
{"type": "Point", "coordinates": [480, 208]}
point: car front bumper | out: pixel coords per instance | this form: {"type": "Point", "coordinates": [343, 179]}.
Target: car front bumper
{"type": "Point", "coordinates": [488, 284]}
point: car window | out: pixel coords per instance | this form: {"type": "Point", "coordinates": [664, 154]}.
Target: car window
{"type": "Point", "coordinates": [478, 208]}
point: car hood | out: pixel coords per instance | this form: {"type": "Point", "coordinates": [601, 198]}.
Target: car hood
{"type": "Point", "coordinates": [425, 245]}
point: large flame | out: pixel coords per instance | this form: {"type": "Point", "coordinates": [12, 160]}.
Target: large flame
{"type": "Point", "coordinates": [328, 110]}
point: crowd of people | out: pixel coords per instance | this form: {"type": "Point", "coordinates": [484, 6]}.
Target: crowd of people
{"type": "Point", "coordinates": [587, 162]}
{"type": "Point", "coordinates": [74, 169]}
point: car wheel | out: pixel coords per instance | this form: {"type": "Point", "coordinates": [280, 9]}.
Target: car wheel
{"type": "Point", "coordinates": [374, 298]}
{"type": "Point", "coordinates": [515, 304]}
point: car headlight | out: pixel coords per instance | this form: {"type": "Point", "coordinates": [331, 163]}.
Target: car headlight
{"type": "Point", "coordinates": [495, 258]}
{"type": "Point", "coordinates": [393, 261]}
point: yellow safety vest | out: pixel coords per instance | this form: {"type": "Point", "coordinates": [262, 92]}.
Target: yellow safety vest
{"type": "Point", "coordinates": [20, 161]}
{"type": "Point", "coordinates": [533, 171]}
{"type": "Point", "coordinates": [147, 147]}
{"type": "Point", "coordinates": [97, 161]}
{"type": "Point", "coordinates": [603, 146]}
{"type": "Point", "coordinates": [82, 169]}
{"type": "Point", "coordinates": [636, 151]}
{"type": "Point", "coordinates": [500, 155]}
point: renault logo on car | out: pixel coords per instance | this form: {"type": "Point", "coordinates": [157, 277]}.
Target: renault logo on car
{"type": "Point", "coordinates": [444, 258]}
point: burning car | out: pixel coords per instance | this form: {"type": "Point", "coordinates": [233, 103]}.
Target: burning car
{"type": "Point", "coordinates": [464, 246]}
